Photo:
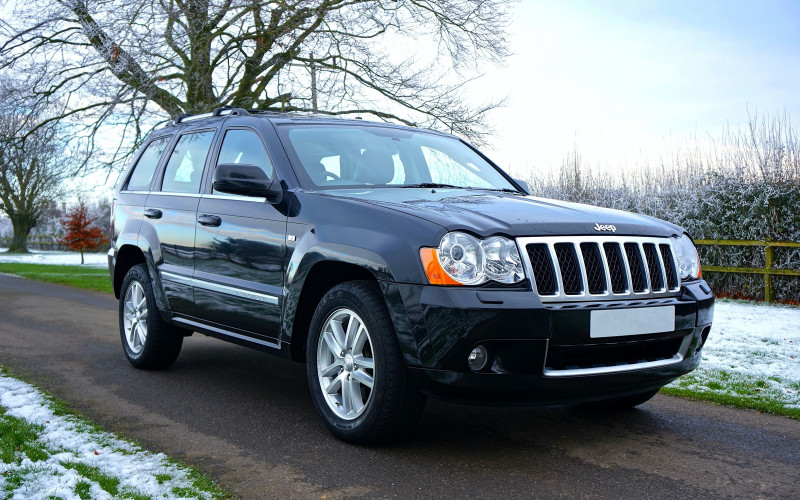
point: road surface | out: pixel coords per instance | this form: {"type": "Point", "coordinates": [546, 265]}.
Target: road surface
{"type": "Point", "coordinates": [245, 418]}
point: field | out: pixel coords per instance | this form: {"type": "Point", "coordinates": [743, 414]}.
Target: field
{"type": "Point", "coordinates": [90, 278]}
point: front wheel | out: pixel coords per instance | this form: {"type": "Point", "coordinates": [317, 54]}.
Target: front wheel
{"type": "Point", "coordinates": [149, 342]}
{"type": "Point", "coordinates": [358, 379]}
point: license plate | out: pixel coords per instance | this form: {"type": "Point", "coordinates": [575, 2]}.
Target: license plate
{"type": "Point", "coordinates": [622, 322]}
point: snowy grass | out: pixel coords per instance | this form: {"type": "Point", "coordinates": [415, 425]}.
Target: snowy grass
{"type": "Point", "coordinates": [751, 359]}
{"type": "Point", "coordinates": [47, 453]}
{"type": "Point", "coordinates": [55, 258]}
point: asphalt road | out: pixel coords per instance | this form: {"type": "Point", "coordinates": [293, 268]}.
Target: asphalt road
{"type": "Point", "coordinates": [245, 418]}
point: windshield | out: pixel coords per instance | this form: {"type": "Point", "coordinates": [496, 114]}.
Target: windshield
{"type": "Point", "coordinates": [338, 156]}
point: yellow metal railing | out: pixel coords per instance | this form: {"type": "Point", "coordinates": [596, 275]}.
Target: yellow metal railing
{"type": "Point", "coordinates": [768, 271]}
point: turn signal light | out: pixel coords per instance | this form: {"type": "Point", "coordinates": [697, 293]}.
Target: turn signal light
{"type": "Point", "coordinates": [433, 269]}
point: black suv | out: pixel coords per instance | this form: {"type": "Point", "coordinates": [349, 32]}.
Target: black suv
{"type": "Point", "coordinates": [396, 263]}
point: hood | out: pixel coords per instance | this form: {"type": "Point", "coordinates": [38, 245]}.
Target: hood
{"type": "Point", "coordinates": [486, 213]}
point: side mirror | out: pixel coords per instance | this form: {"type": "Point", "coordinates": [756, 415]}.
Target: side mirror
{"type": "Point", "coordinates": [524, 185]}
{"type": "Point", "coordinates": [246, 180]}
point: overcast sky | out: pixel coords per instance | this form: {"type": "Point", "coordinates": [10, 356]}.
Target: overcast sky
{"type": "Point", "coordinates": [620, 78]}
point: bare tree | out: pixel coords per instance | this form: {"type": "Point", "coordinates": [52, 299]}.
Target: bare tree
{"type": "Point", "coordinates": [32, 166]}
{"type": "Point", "coordinates": [138, 61]}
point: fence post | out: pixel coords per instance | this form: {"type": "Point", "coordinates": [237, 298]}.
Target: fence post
{"type": "Point", "coordinates": [767, 276]}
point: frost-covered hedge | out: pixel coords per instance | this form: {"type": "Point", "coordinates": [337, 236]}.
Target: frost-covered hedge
{"type": "Point", "coordinates": [744, 186]}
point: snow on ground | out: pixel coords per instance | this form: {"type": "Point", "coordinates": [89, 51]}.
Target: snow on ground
{"type": "Point", "coordinates": [756, 339]}
{"type": "Point", "coordinates": [56, 258]}
{"type": "Point", "coordinates": [753, 351]}
{"type": "Point", "coordinates": [70, 441]}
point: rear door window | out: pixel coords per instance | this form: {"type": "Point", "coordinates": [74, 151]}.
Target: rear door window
{"type": "Point", "coordinates": [185, 168]}
{"type": "Point", "coordinates": [142, 173]}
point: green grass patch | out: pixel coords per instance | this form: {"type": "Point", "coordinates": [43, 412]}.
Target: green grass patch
{"type": "Point", "coordinates": [18, 439]}
{"type": "Point", "coordinates": [108, 483]}
{"type": "Point", "coordinates": [161, 478]}
{"type": "Point", "coordinates": [89, 278]}
{"type": "Point", "coordinates": [203, 483]}
{"type": "Point", "coordinates": [766, 394]}
{"type": "Point", "coordinates": [82, 490]}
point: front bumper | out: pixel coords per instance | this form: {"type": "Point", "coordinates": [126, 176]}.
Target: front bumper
{"type": "Point", "coordinates": [539, 354]}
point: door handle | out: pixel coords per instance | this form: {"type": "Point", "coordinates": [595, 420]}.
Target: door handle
{"type": "Point", "coordinates": [152, 213]}
{"type": "Point", "coordinates": [209, 220]}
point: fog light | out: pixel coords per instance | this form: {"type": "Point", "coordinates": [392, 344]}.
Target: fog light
{"type": "Point", "coordinates": [478, 358]}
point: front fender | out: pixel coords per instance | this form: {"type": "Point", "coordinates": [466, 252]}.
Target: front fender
{"type": "Point", "coordinates": [308, 252]}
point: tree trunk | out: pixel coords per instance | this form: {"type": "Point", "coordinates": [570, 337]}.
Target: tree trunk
{"type": "Point", "coordinates": [81, 256]}
{"type": "Point", "coordinates": [19, 241]}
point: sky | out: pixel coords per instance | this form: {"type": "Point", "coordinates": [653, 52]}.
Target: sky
{"type": "Point", "coordinates": [623, 80]}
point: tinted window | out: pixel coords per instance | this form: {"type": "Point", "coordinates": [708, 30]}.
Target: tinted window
{"type": "Point", "coordinates": [185, 167]}
{"type": "Point", "coordinates": [146, 166]}
{"type": "Point", "coordinates": [348, 156]}
{"type": "Point", "coordinates": [245, 147]}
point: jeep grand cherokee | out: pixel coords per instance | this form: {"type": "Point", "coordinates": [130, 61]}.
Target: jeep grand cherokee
{"type": "Point", "coordinates": [397, 263]}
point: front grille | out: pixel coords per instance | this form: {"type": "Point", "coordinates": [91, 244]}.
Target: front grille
{"type": "Point", "coordinates": [575, 357]}
{"type": "Point", "coordinates": [542, 267]}
{"type": "Point", "coordinates": [669, 266]}
{"type": "Point", "coordinates": [616, 267]}
{"type": "Point", "coordinates": [637, 269]}
{"type": "Point", "coordinates": [570, 273]}
{"type": "Point", "coordinates": [571, 268]}
{"type": "Point", "coordinates": [595, 272]}
{"type": "Point", "coordinates": [654, 267]}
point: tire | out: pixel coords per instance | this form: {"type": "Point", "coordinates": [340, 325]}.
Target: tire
{"type": "Point", "coordinates": [392, 405]}
{"type": "Point", "coordinates": [622, 403]}
{"type": "Point", "coordinates": [148, 341]}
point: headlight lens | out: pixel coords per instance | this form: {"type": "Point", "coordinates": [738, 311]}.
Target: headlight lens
{"type": "Point", "coordinates": [686, 256]}
{"type": "Point", "coordinates": [462, 258]}
{"type": "Point", "coordinates": [503, 263]}
{"type": "Point", "coordinates": [470, 261]}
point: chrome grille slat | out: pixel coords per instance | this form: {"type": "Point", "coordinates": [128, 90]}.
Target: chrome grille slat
{"type": "Point", "coordinates": [596, 271]}
{"type": "Point", "coordinates": [620, 278]}
{"type": "Point", "coordinates": [670, 271]}
{"type": "Point", "coordinates": [581, 258]}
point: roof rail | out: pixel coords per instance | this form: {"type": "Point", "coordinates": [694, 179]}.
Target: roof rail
{"type": "Point", "coordinates": [227, 110]}
{"type": "Point", "coordinates": [230, 110]}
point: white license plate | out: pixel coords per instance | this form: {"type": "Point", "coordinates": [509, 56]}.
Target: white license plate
{"type": "Point", "coordinates": [622, 322]}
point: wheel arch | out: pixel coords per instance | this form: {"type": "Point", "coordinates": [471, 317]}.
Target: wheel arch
{"type": "Point", "coordinates": [127, 257]}
{"type": "Point", "coordinates": [321, 277]}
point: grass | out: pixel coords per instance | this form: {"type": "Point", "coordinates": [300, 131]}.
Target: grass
{"type": "Point", "coordinates": [20, 441]}
{"type": "Point", "coordinates": [89, 278]}
{"type": "Point", "coordinates": [109, 483]}
{"type": "Point", "coordinates": [766, 394]}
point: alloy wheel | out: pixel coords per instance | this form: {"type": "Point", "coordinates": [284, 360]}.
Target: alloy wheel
{"type": "Point", "coordinates": [345, 364]}
{"type": "Point", "coordinates": [135, 317]}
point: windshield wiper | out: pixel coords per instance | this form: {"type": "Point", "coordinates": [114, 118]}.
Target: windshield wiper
{"type": "Point", "coordinates": [432, 185]}
{"type": "Point", "coordinates": [506, 190]}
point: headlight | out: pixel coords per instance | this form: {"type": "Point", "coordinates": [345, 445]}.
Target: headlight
{"type": "Point", "coordinates": [462, 258]}
{"type": "Point", "coordinates": [466, 260]}
{"type": "Point", "coordinates": [502, 260]}
{"type": "Point", "coordinates": [686, 257]}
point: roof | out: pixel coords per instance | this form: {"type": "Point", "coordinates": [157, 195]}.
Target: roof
{"type": "Point", "coordinates": [289, 117]}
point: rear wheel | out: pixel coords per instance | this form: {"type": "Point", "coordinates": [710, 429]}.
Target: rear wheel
{"type": "Point", "coordinates": [148, 341]}
{"type": "Point", "coordinates": [358, 379]}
